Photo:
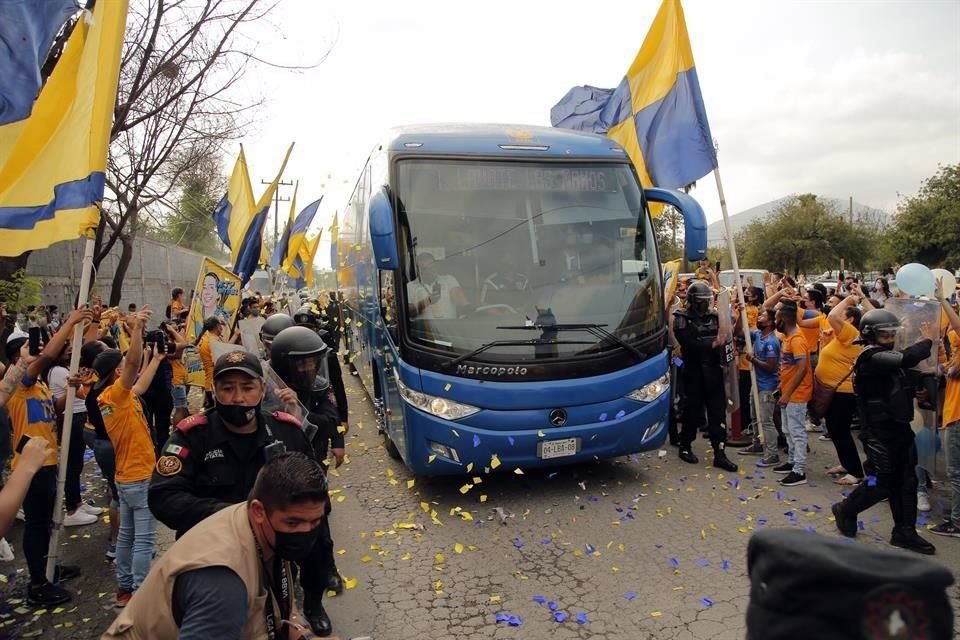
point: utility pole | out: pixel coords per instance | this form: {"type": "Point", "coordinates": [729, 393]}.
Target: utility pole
{"type": "Point", "coordinates": [276, 207]}
{"type": "Point", "coordinates": [851, 211]}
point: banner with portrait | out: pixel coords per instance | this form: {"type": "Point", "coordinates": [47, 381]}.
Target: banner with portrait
{"type": "Point", "coordinates": [217, 294]}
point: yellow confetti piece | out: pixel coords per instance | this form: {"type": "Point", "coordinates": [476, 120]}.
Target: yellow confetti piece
{"type": "Point", "coordinates": [518, 471]}
{"type": "Point", "coordinates": [340, 552]}
{"type": "Point", "coordinates": [456, 435]}
{"type": "Point", "coordinates": [615, 569]}
{"type": "Point", "coordinates": [431, 458]}
{"type": "Point", "coordinates": [439, 558]}
{"type": "Point", "coordinates": [541, 434]}
{"type": "Point", "coordinates": [465, 488]}
{"type": "Point", "coordinates": [350, 583]}
{"type": "Point", "coordinates": [58, 610]}
{"type": "Point", "coordinates": [410, 483]}
{"type": "Point", "coordinates": [447, 387]}
{"type": "Point", "coordinates": [678, 588]}
{"type": "Point", "coordinates": [341, 429]}
{"type": "Point", "coordinates": [425, 507]}
{"type": "Point", "coordinates": [469, 467]}
{"type": "Point", "coordinates": [407, 525]}
{"type": "Point", "coordinates": [477, 480]}
{"type": "Point", "coordinates": [458, 548]}
{"type": "Point", "coordinates": [366, 559]}
{"type": "Point", "coordinates": [656, 614]}
{"type": "Point", "coordinates": [494, 461]}
{"type": "Point", "coordinates": [341, 498]}
{"type": "Point", "coordinates": [703, 534]}
{"type": "Point", "coordinates": [494, 598]}
{"type": "Point", "coordinates": [483, 498]}
{"type": "Point", "coordinates": [405, 556]}
{"type": "Point", "coordinates": [466, 515]}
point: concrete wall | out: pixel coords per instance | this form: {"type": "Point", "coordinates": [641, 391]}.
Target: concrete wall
{"type": "Point", "coordinates": [155, 269]}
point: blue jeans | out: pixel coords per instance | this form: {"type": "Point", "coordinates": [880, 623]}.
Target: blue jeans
{"type": "Point", "coordinates": [952, 437]}
{"type": "Point", "coordinates": [793, 416]}
{"type": "Point", "coordinates": [137, 533]}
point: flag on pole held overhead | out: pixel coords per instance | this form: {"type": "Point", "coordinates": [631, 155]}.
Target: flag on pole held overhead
{"type": "Point", "coordinates": [27, 30]}
{"type": "Point", "coordinates": [656, 113]}
{"type": "Point", "coordinates": [298, 236]}
{"type": "Point", "coordinates": [334, 232]}
{"type": "Point", "coordinates": [53, 162]}
{"type": "Point", "coordinates": [247, 251]}
{"type": "Point", "coordinates": [280, 251]}
{"type": "Point", "coordinates": [232, 214]}
{"type": "Point", "coordinates": [303, 263]}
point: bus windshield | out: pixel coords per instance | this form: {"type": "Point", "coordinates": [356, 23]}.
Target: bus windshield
{"type": "Point", "coordinates": [499, 251]}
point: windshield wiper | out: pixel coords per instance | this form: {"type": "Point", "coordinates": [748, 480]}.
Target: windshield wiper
{"type": "Point", "coordinates": [506, 343]}
{"type": "Point", "coordinates": [597, 330]}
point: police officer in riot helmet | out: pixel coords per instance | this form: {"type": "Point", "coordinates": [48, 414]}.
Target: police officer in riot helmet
{"type": "Point", "coordinates": [326, 325]}
{"type": "Point", "coordinates": [885, 396]}
{"type": "Point", "coordinates": [299, 356]}
{"type": "Point", "coordinates": [271, 327]}
{"type": "Point", "coordinates": [696, 329]}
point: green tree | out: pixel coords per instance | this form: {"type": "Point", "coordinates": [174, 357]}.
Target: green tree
{"type": "Point", "coordinates": [804, 234]}
{"type": "Point", "coordinates": [926, 228]}
{"type": "Point", "coordinates": [668, 227]}
{"type": "Point", "coordinates": [20, 291]}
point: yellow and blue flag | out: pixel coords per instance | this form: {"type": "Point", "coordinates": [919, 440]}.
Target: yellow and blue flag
{"type": "Point", "coordinates": [232, 214]}
{"type": "Point", "coordinates": [298, 236]}
{"type": "Point", "coordinates": [27, 30]}
{"type": "Point", "coordinates": [247, 251]}
{"type": "Point", "coordinates": [656, 113]}
{"type": "Point", "coordinates": [53, 162]}
{"type": "Point", "coordinates": [334, 233]}
{"type": "Point", "coordinates": [303, 263]}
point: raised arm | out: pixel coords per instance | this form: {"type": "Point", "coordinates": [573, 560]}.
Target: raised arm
{"type": "Point", "coordinates": [947, 307]}
{"type": "Point", "coordinates": [838, 315]}
{"type": "Point", "coordinates": [131, 364]}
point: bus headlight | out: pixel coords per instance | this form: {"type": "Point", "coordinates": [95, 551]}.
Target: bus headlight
{"type": "Point", "coordinates": [651, 391]}
{"type": "Point", "coordinates": [440, 407]}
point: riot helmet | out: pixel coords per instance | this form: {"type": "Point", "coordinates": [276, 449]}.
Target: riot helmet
{"type": "Point", "coordinates": [299, 356]}
{"type": "Point", "coordinates": [310, 316]}
{"type": "Point", "coordinates": [274, 325]}
{"type": "Point", "coordinates": [876, 322]}
{"type": "Point", "coordinates": [699, 297]}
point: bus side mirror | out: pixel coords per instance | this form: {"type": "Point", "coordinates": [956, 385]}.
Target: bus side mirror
{"type": "Point", "coordinates": [694, 219]}
{"type": "Point", "coordinates": [383, 235]}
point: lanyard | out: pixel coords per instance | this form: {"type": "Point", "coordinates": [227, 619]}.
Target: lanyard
{"type": "Point", "coordinates": [280, 580]}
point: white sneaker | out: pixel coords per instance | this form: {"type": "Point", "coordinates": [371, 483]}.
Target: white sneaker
{"type": "Point", "coordinates": [78, 519]}
{"type": "Point", "coordinates": [923, 502]}
{"type": "Point", "coordinates": [6, 553]}
{"type": "Point", "coordinates": [89, 508]}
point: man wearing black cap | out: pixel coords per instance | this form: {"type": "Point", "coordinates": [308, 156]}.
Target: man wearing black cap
{"type": "Point", "coordinates": [804, 585]}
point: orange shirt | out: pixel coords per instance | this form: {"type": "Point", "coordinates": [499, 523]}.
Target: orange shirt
{"type": "Point", "coordinates": [206, 356]}
{"type": "Point", "coordinates": [176, 308]}
{"type": "Point", "coordinates": [129, 432]}
{"type": "Point", "coordinates": [178, 371]}
{"type": "Point", "coordinates": [837, 359]}
{"type": "Point", "coordinates": [951, 395]}
{"type": "Point", "coordinates": [32, 413]}
{"type": "Point", "coordinates": [793, 353]}
{"type": "Point", "coordinates": [811, 336]}
{"type": "Point", "coordinates": [826, 333]}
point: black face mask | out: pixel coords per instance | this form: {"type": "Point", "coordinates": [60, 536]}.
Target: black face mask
{"type": "Point", "coordinates": [826, 309]}
{"type": "Point", "coordinates": [237, 414]}
{"type": "Point", "coordinates": [294, 546]}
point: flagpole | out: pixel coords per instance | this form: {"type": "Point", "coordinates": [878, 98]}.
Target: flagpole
{"type": "Point", "coordinates": [53, 551]}
{"type": "Point", "coordinates": [744, 322]}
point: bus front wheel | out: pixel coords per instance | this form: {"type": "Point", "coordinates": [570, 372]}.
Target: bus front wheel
{"type": "Point", "coordinates": [391, 448]}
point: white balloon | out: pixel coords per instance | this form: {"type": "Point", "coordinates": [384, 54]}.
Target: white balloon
{"type": "Point", "coordinates": [949, 281]}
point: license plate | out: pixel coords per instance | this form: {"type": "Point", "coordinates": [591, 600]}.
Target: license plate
{"type": "Point", "coordinates": [558, 448]}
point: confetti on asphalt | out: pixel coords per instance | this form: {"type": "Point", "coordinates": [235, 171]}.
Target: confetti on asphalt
{"type": "Point", "coordinates": [559, 616]}
{"type": "Point", "coordinates": [539, 599]}
{"type": "Point", "coordinates": [630, 595]}
{"type": "Point", "coordinates": [581, 618]}
{"type": "Point", "coordinates": [707, 602]}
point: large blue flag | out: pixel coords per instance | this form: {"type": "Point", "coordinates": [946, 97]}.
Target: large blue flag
{"type": "Point", "coordinates": [656, 113]}
{"type": "Point", "coordinates": [27, 30]}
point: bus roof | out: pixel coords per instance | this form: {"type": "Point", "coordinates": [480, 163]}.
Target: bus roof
{"type": "Point", "coordinates": [501, 140]}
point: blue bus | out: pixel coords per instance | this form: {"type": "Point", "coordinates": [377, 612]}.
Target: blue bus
{"type": "Point", "coordinates": [503, 298]}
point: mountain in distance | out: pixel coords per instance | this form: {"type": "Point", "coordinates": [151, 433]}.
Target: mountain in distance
{"type": "Point", "coordinates": [862, 214]}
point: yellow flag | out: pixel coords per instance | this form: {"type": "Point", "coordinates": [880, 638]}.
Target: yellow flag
{"type": "Point", "coordinates": [53, 163]}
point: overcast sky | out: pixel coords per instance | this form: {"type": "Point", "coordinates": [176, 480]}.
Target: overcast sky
{"type": "Point", "coordinates": [838, 98]}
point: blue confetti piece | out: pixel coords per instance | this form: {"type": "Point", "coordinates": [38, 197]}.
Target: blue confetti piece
{"type": "Point", "coordinates": [761, 521]}
{"type": "Point", "coordinates": [545, 541]}
{"type": "Point", "coordinates": [620, 414]}
{"type": "Point", "coordinates": [871, 481]}
{"type": "Point", "coordinates": [603, 417]}
{"type": "Point", "coordinates": [779, 496]}
{"type": "Point", "coordinates": [510, 440]}
{"type": "Point", "coordinates": [559, 616]}
{"type": "Point", "coordinates": [674, 563]}
{"type": "Point", "coordinates": [551, 475]}
{"type": "Point", "coordinates": [582, 618]}
{"type": "Point", "coordinates": [809, 528]}
{"type": "Point", "coordinates": [860, 525]}
{"type": "Point", "coordinates": [619, 509]}
{"type": "Point", "coordinates": [515, 621]}
{"type": "Point", "coordinates": [630, 595]}
{"type": "Point", "coordinates": [502, 617]}
{"type": "Point", "coordinates": [703, 562]}
{"type": "Point", "coordinates": [725, 565]}
{"type": "Point", "coordinates": [539, 599]}
{"type": "Point", "coordinates": [590, 548]}
{"type": "Point", "coordinates": [476, 441]}
{"type": "Point", "coordinates": [518, 543]}
{"type": "Point", "coordinates": [594, 499]}
{"type": "Point", "coordinates": [707, 602]}
{"type": "Point", "coordinates": [658, 546]}
{"type": "Point", "coordinates": [553, 605]}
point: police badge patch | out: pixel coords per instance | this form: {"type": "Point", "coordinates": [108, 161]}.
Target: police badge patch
{"type": "Point", "coordinates": [169, 465]}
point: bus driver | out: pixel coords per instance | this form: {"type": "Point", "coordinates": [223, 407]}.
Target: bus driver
{"type": "Point", "coordinates": [431, 295]}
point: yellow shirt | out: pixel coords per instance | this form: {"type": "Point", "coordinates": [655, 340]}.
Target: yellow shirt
{"type": "Point", "coordinates": [206, 356]}
{"type": "Point", "coordinates": [951, 395]}
{"type": "Point", "coordinates": [810, 336]}
{"type": "Point", "coordinates": [792, 354]}
{"type": "Point", "coordinates": [826, 332]}
{"type": "Point", "coordinates": [32, 413]}
{"type": "Point", "coordinates": [837, 359]}
{"type": "Point", "coordinates": [178, 371]}
{"type": "Point", "coordinates": [129, 432]}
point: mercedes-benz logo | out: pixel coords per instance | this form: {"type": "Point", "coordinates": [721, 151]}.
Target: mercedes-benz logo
{"type": "Point", "coordinates": [558, 417]}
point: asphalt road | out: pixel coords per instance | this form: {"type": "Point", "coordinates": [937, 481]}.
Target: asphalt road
{"type": "Point", "coordinates": [639, 547]}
